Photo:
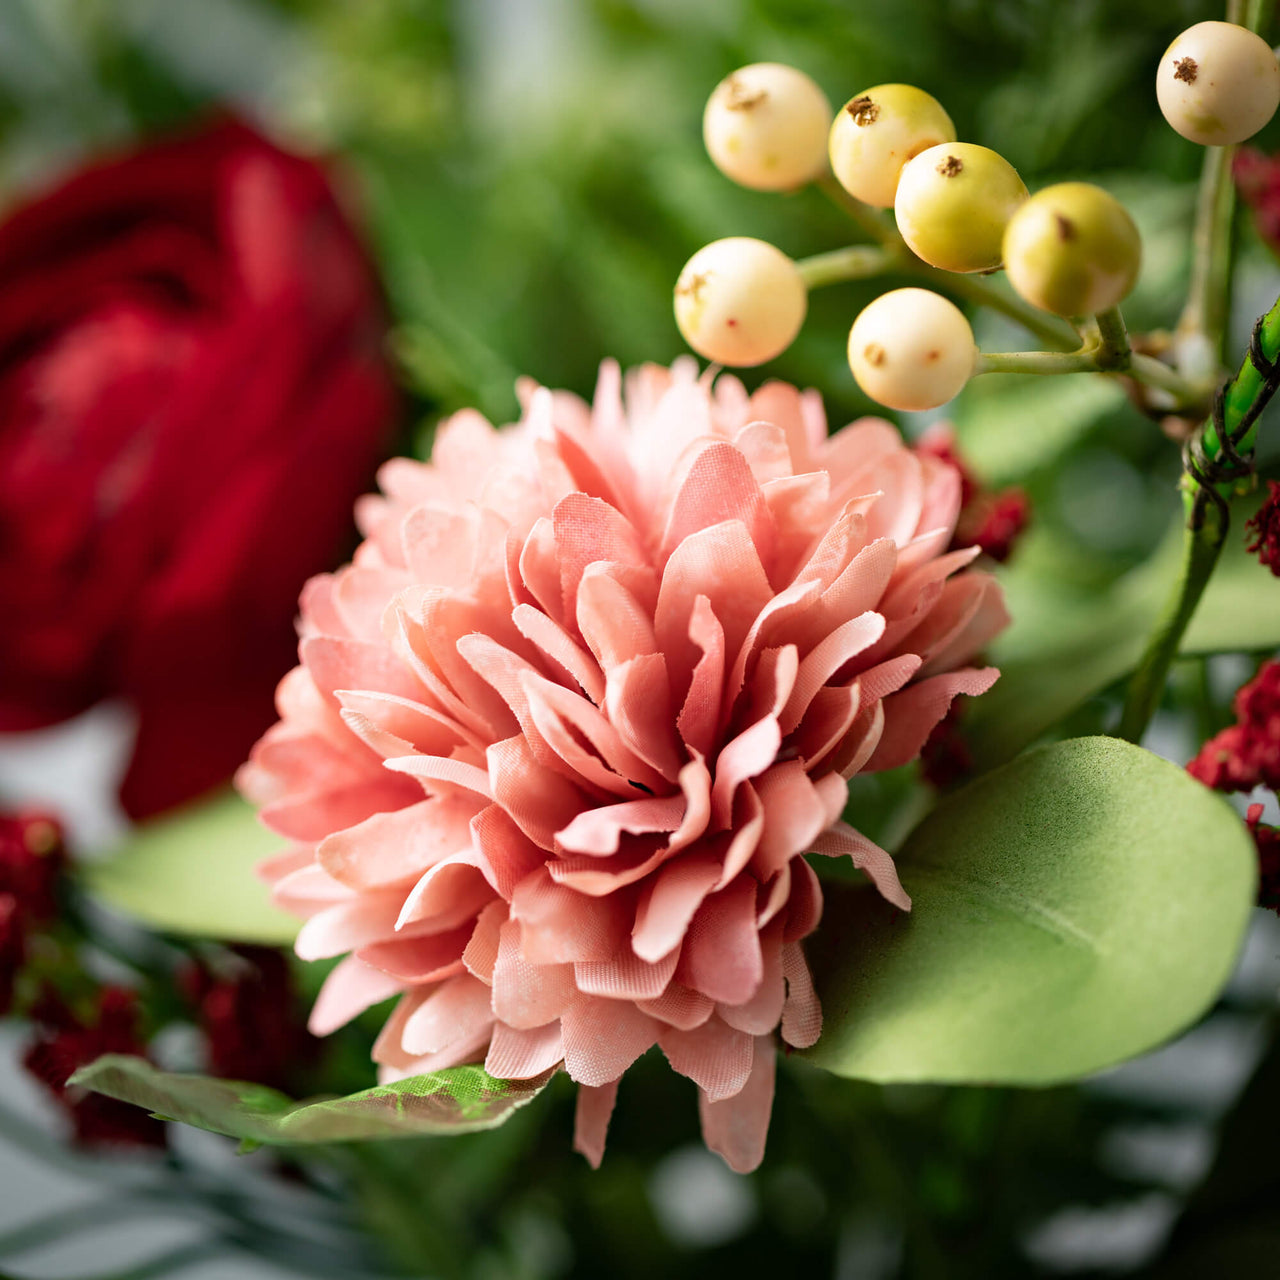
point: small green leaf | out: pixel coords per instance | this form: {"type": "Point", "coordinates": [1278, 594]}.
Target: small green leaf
{"type": "Point", "coordinates": [192, 872]}
{"type": "Point", "coordinates": [1077, 907]}
{"type": "Point", "coordinates": [460, 1100]}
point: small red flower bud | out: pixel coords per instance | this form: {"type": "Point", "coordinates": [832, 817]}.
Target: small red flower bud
{"type": "Point", "coordinates": [64, 1043]}
{"type": "Point", "coordinates": [945, 758]}
{"type": "Point", "coordinates": [1267, 840]}
{"type": "Point", "coordinates": [250, 1016]}
{"type": "Point", "coordinates": [13, 949]}
{"type": "Point", "coordinates": [1247, 754]}
{"type": "Point", "coordinates": [1258, 181]}
{"type": "Point", "coordinates": [1265, 526]}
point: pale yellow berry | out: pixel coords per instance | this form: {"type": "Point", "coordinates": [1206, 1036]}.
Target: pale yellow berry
{"type": "Point", "coordinates": [1218, 83]}
{"type": "Point", "coordinates": [911, 349]}
{"type": "Point", "coordinates": [954, 202]}
{"type": "Point", "coordinates": [740, 301]}
{"type": "Point", "coordinates": [1072, 249]}
{"type": "Point", "coordinates": [876, 132]}
{"type": "Point", "coordinates": [765, 127]}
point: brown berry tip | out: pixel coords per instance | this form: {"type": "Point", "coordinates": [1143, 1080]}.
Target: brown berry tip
{"type": "Point", "coordinates": [863, 111]}
{"type": "Point", "coordinates": [741, 98]}
{"type": "Point", "coordinates": [1066, 228]}
{"type": "Point", "coordinates": [873, 353]}
{"type": "Point", "coordinates": [1185, 69]}
{"type": "Point", "coordinates": [951, 166]}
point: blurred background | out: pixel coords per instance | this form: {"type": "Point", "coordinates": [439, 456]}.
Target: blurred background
{"type": "Point", "coordinates": [528, 178]}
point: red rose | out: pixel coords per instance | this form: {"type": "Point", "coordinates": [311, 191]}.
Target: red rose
{"type": "Point", "coordinates": [192, 394]}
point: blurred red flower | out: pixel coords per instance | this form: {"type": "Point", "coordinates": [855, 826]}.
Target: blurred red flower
{"type": "Point", "coordinates": [192, 394]}
{"type": "Point", "coordinates": [65, 1042]}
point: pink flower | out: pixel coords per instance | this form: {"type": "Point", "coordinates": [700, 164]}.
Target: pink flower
{"type": "Point", "coordinates": [592, 687]}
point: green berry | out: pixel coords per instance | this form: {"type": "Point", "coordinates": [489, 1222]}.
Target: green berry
{"type": "Point", "coordinates": [911, 349]}
{"type": "Point", "coordinates": [740, 301]}
{"type": "Point", "coordinates": [876, 132]}
{"type": "Point", "coordinates": [1072, 249]}
{"type": "Point", "coordinates": [1218, 83]}
{"type": "Point", "coordinates": [765, 127]}
{"type": "Point", "coordinates": [954, 202]}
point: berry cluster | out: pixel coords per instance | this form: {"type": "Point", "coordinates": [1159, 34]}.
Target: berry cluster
{"type": "Point", "coordinates": [1070, 250]}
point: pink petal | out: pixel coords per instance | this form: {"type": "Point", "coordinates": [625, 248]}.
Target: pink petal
{"type": "Point", "coordinates": [679, 1007]}
{"type": "Point", "coordinates": [418, 960]}
{"type": "Point", "coordinates": [794, 815]}
{"type": "Point", "coordinates": [910, 716]}
{"type": "Point", "coordinates": [801, 1013]}
{"type": "Point", "coordinates": [451, 892]}
{"type": "Point", "coordinates": [561, 649]}
{"type": "Point", "coordinates": [761, 1013]}
{"type": "Point", "coordinates": [717, 486]}
{"type": "Point", "coordinates": [591, 1120]}
{"type": "Point", "coordinates": [668, 902]}
{"type": "Point", "coordinates": [351, 988]}
{"type": "Point", "coordinates": [506, 854]}
{"type": "Point", "coordinates": [722, 564]}
{"type": "Point", "coordinates": [588, 530]}
{"type": "Point", "coordinates": [456, 1010]}
{"type": "Point", "coordinates": [626, 976]}
{"type": "Point", "coordinates": [560, 926]}
{"type": "Point", "coordinates": [445, 771]}
{"type": "Point", "coordinates": [721, 956]}
{"type": "Point", "coordinates": [481, 952]}
{"type": "Point", "coordinates": [843, 841]}
{"type": "Point", "coordinates": [521, 1055]}
{"type": "Point", "coordinates": [825, 661]}
{"type": "Point", "coordinates": [737, 1127]}
{"type": "Point", "coordinates": [699, 717]}
{"type": "Point", "coordinates": [539, 801]}
{"type": "Point", "coordinates": [527, 995]}
{"type": "Point", "coordinates": [715, 1056]}
{"type": "Point", "coordinates": [389, 848]}
{"type": "Point", "coordinates": [602, 1038]}
{"type": "Point", "coordinates": [597, 831]}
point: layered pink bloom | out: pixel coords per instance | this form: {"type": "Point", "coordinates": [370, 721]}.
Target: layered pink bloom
{"type": "Point", "coordinates": [592, 687]}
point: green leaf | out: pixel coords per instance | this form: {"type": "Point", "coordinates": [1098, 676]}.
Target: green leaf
{"type": "Point", "coordinates": [1063, 648]}
{"type": "Point", "coordinates": [192, 872]}
{"type": "Point", "coordinates": [1077, 907]}
{"type": "Point", "coordinates": [460, 1100]}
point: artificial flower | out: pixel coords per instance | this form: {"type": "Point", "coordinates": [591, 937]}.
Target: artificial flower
{"type": "Point", "coordinates": [564, 731]}
{"type": "Point", "coordinates": [192, 393]}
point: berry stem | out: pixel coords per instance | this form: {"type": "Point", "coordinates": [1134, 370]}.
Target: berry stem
{"type": "Point", "coordinates": [825, 268]}
{"type": "Point", "coordinates": [1218, 463]}
{"type": "Point", "coordinates": [1201, 330]}
{"type": "Point", "coordinates": [1104, 349]}
{"type": "Point", "coordinates": [855, 262]}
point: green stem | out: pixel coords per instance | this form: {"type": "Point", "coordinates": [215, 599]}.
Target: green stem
{"type": "Point", "coordinates": [1201, 548]}
{"type": "Point", "coordinates": [857, 262]}
{"type": "Point", "coordinates": [876, 226]}
{"type": "Point", "coordinates": [1105, 349]}
{"type": "Point", "coordinates": [1241, 394]}
{"type": "Point", "coordinates": [1204, 317]}
{"type": "Point", "coordinates": [1113, 351]}
{"type": "Point", "coordinates": [1206, 530]}
{"type": "Point", "coordinates": [978, 291]}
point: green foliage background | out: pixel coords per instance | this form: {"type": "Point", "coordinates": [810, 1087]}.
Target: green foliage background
{"type": "Point", "coordinates": [532, 179]}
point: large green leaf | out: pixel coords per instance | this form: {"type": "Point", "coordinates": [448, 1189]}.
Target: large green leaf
{"type": "Point", "coordinates": [192, 872]}
{"type": "Point", "coordinates": [1075, 908]}
{"type": "Point", "coordinates": [460, 1100]}
{"type": "Point", "coordinates": [1062, 649]}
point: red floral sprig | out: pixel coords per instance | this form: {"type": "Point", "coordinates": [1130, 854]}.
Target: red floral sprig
{"type": "Point", "coordinates": [1247, 754]}
{"type": "Point", "coordinates": [1265, 527]}
{"type": "Point", "coordinates": [66, 1042]}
